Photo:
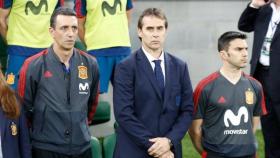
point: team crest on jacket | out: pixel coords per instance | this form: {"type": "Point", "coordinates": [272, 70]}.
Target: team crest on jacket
{"type": "Point", "coordinates": [14, 129]}
{"type": "Point", "coordinates": [10, 78]}
{"type": "Point", "coordinates": [82, 70]}
{"type": "Point", "coordinates": [249, 95]}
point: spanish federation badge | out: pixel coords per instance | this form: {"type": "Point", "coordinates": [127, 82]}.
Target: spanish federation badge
{"type": "Point", "coordinates": [10, 78]}
{"type": "Point", "coordinates": [14, 129]}
{"type": "Point", "coordinates": [82, 70]}
{"type": "Point", "coordinates": [249, 95]}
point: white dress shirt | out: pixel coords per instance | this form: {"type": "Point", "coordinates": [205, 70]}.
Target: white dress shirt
{"type": "Point", "coordinates": [151, 59]}
{"type": "Point", "coordinates": [273, 24]}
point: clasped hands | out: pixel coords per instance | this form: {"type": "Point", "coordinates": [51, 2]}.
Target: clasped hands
{"type": "Point", "coordinates": [160, 148]}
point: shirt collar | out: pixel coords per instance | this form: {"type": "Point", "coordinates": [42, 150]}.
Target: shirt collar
{"type": "Point", "coordinates": [273, 6]}
{"type": "Point", "coordinates": [151, 58]}
{"type": "Point", "coordinates": [58, 60]}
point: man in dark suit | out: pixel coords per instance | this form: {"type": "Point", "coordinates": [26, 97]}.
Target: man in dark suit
{"type": "Point", "coordinates": [152, 96]}
{"type": "Point", "coordinates": [263, 18]}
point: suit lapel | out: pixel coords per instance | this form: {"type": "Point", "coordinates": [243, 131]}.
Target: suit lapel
{"type": "Point", "coordinates": [168, 71]}
{"type": "Point", "coordinates": [276, 34]}
{"type": "Point", "coordinates": [148, 71]}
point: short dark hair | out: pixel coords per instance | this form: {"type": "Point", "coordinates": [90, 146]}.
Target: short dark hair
{"type": "Point", "coordinates": [227, 37]}
{"type": "Point", "coordinates": [152, 12]}
{"type": "Point", "coordinates": [61, 11]}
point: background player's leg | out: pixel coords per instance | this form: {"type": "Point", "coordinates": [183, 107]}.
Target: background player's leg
{"type": "Point", "coordinates": [14, 64]}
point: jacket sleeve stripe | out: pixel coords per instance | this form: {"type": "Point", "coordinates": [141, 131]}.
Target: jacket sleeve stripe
{"type": "Point", "coordinates": [264, 111]}
{"type": "Point", "coordinates": [200, 87]}
{"type": "Point", "coordinates": [93, 106]}
{"type": "Point", "coordinates": [61, 2]}
{"type": "Point", "coordinates": [79, 8]}
{"type": "Point", "coordinates": [22, 75]}
{"type": "Point", "coordinates": [5, 4]}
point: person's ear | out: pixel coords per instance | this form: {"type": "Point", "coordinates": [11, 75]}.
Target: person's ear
{"type": "Point", "coordinates": [140, 33]}
{"type": "Point", "coordinates": [51, 31]}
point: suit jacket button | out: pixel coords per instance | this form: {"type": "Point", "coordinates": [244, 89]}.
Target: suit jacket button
{"type": "Point", "coordinates": [67, 132]}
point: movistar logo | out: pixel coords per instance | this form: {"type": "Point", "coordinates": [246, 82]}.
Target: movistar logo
{"type": "Point", "coordinates": [83, 88]}
{"type": "Point", "coordinates": [36, 9]}
{"type": "Point", "coordinates": [111, 9]}
{"type": "Point", "coordinates": [236, 119]}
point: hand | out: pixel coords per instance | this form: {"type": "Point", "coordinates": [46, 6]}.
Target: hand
{"type": "Point", "coordinates": [160, 146]}
{"type": "Point", "coordinates": [168, 154]}
{"type": "Point", "coordinates": [259, 3]}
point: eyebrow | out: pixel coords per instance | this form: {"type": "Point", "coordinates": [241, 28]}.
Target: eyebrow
{"type": "Point", "coordinates": [241, 48]}
{"type": "Point", "coordinates": [154, 26]}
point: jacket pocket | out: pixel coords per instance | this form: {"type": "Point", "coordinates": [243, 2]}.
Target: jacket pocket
{"type": "Point", "coordinates": [38, 119]}
{"type": "Point", "coordinates": [80, 128]}
{"type": "Point", "coordinates": [43, 118]}
{"type": "Point", "coordinates": [176, 95]}
{"type": "Point", "coordinates": [178, 100]}
{"type": "Point", "coordinates": [53, 127]}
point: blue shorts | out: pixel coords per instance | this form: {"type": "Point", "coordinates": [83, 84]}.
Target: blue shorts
{"type": "Point", "coordinates": [107, 62]}
{"type": "Point", "coordinates": [16, 60]}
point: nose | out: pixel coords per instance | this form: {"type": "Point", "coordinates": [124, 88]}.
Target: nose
{"type": "Point", "coordinates": [155, 34]}
{"type": "Point", "coordinates": [71, 32]}
{"type": "Point", "coordinates": [245, 52]}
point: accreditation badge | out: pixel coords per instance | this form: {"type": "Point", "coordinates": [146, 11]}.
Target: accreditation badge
{"type": "Point", "coordinates": [82, 71]}
{"type": "Point", "coordinates": [10, 78]}
{"type": "Point", "coordinates": [249, 95]}
{"type": "Point", "coordinates": [14, 129]}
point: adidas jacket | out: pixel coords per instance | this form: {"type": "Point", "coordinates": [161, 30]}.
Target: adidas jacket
{"type": "Point", "coordinates": [59, 105]}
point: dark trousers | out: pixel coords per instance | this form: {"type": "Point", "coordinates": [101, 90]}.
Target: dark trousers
{"type": "Point", "coordinates": [270, 122]}
{"type": "Point", "coordinates": [40, 153]}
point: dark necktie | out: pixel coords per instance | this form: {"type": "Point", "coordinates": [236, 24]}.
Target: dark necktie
{"type": "Point", "coordinates": [159, 75]}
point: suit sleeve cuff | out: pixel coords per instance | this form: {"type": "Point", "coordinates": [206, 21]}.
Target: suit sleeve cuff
{"type": "Point", "coordinates": [148, 144]}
